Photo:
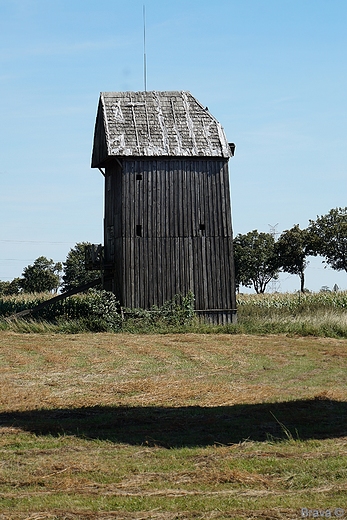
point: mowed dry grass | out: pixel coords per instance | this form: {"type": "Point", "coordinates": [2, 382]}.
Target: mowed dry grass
{"type": "Point", "coordinates": [156, 426]}
{"type": "Point", "coordinates": [49, 371]}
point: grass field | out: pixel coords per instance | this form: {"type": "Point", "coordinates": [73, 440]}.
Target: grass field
{"type": "Point", "coordinates": [183, 426]}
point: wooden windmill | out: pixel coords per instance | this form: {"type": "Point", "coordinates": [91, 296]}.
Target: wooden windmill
{"type": "Point", "coordinates": [167, 226]}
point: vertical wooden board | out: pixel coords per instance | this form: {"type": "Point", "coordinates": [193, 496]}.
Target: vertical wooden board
{"type": "Point", "coordinates": [147, 275]}
{"type": "Point", "coordinates": [125, 274]}
{"type": "Point", "coordinates": [209, 280]}
{"type": "Point", "coordinates": [147, 199]}
{"type": "Point", "coordinates": [154, 270]}
{"type": "Point", "coordinates": [143, 272]}
{"type": "Point", "coordinates": [227, 199]}
{"type": "Point", "coordinates": [148, 269]}
{"type": "Point", "coordinates": [172, 256]}
{"type": "Point", "coordinates": [167, 199]}
{"type": "Point", "coordinates": [224, 214]}
{"type": "Point", "coordinates": [205, 267]}
{"type": "Point", "coordinates": [160, 197]}
{"type": "Point", "coordinates": [138, 267]}
{"type": "Point", "coordinates": [181, 259]}
{"type": "Point", "coordinates": [171, 213]}
{"type": "Point", "coordinates": [215, 274]}
{"type": "Point", "coordinates": [216, 181]}
{"type": "Point", "coordinates": [229, 272]}
{"type": "Point", "coordinates": [165, 275]}
{"type": "Point", "coordinates": [178, 198]}
{"type": "Point", "coordinates": [118, 282]}
{"type": "Point", "coordinates": [191, 200]}
{"type": "Point", "coordinates": [204, 196]}
{"type": "Point", "coordinates": [138, 187]}
{"type": "Point", "coordinates": [220, 300]}
{"type": "Point", "coordinates": [149, 196]}
{"type": "Point", "coordinates": [186, 203]}
{"type": "Point", "coordinates": [125, 201]}
{"type": "Point", "coordinates": [117, 194]}
{"type": "Point", "coordinates": [159, 288]}
{"type": "Point", "coordinates": [170, 267]}
{"type": "Point", "coordinates": [157, 210]}
{"type": "Point", "coordinates": [128, 282]}
{"type": "Point", "coordinates": [141, 184]}
{"type": "Point", "coordinates": [187, 262]}
{"type": "Point", "coordinates": [197, 272]}
{"type": "Point", "coordinates": [190, 258]}
{"type": "Point", "coordinates": [229, 260]}
{"type": "Point", "coordinates": [198, 201]}
{"type": "Point", "coordinates": [160, 210]}
{"type": "Point", "coordinates": [136, 298]}
{"type": "Point", "coordinates": [218, 273]}
{"type": "Point", "coordinates": [209, 208]}
{"type": "Point", "coordinates": [232, 273]}
{"type": "Point", "coordinates": [178, 267]}
{"type": "Point", "coordinates": [201, 266]}
{"type": "Point", "coordinates": [131, 200]}
{"type": "Point", "coordinates": [134, 277]}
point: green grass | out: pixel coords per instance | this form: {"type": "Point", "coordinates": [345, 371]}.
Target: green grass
{"type": "Point", "coordinates": [171, 426]}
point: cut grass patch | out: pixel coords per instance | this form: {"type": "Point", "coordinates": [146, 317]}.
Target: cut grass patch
{"type": "Point", "coordinates": [171, 426]}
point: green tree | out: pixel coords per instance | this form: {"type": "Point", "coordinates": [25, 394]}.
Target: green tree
{"type": "Point", "coordinates": [42, 276]}
{"type": "Point", "coordinates": [4, 288]}
{"type": "Point", "coordinates": [75, 272]}
{"type": "Point", "coordinates": [255, 260]}
{"type": "Point", "coordinates": [9, 288]}
{"type": "Point", "coordinates": [328, 238]}
{"type": "Point", "coordinates": [292, 252]}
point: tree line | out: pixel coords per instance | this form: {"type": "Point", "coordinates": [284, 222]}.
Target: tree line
{"type": "Point", "coordinates": [259, 258]}
{"type": "Point", "coordinates": [44, 275]}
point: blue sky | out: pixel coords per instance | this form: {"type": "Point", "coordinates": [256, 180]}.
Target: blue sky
{"type": "Point", "coordinates": [273, 72]}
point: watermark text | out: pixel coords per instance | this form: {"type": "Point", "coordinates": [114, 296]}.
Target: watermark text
{"type": "Point", "coordinates": [335, 512]}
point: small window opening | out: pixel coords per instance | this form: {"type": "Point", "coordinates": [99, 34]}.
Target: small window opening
{"type": "Point", "coordinates": [202, 227]}
{"type": "Point", "coordinates": [139, 230]}
{"type": "Point", "coordinates": [139, 177]}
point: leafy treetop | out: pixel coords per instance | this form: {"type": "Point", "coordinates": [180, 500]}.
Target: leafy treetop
{"type": "Point", "coordinates": [42, 276]}
{"type": "Point", "coordinates": [255, 260]}
{"type": "Point", "coordinates": [328, 238]}
{"type": "Point", "coordinates": [75, 272]}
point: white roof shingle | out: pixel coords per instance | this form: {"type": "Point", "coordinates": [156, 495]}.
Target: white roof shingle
{"type": "Point", "coordinates": [154, 123]}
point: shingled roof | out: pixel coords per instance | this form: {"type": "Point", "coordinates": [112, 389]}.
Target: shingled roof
{"type": "Point", "coordinates": [154, 123]}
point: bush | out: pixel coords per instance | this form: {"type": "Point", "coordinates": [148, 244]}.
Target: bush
{"type": "Point", "coordinates": [175, 313]}
{"type": "Point", "coordinates": [99, 311]}
{"type": "Point", "coordinates": [95, 310]}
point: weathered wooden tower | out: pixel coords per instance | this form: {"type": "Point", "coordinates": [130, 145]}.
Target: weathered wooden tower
{"type": "Point", "coordinates": [167, 226]}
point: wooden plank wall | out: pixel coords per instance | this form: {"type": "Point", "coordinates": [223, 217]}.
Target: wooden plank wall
{"type": "Point", "coordinates": [171, 220]}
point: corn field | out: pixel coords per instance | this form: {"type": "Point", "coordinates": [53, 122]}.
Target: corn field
{"type": "Point", "coordinates": [294, 302]}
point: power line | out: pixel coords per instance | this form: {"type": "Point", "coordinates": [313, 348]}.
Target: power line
{"type": "Point", "coordinates": [34, 242]}
{"type": "Point", "coordinates": [17, 259]}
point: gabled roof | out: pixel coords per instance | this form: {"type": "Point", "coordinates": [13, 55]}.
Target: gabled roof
{"type": "Point", "coordinates": [154, 123]}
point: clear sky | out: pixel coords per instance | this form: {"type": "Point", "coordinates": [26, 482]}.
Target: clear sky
{"type": "Point", "coordinates": [273, 72]}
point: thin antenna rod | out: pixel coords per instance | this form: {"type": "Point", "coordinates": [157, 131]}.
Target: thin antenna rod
{"type": "Point", "coordinates": [144, 49]}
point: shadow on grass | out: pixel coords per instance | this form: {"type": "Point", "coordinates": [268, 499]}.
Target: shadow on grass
{"type": "Point", "coordinates": [189, 426]}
